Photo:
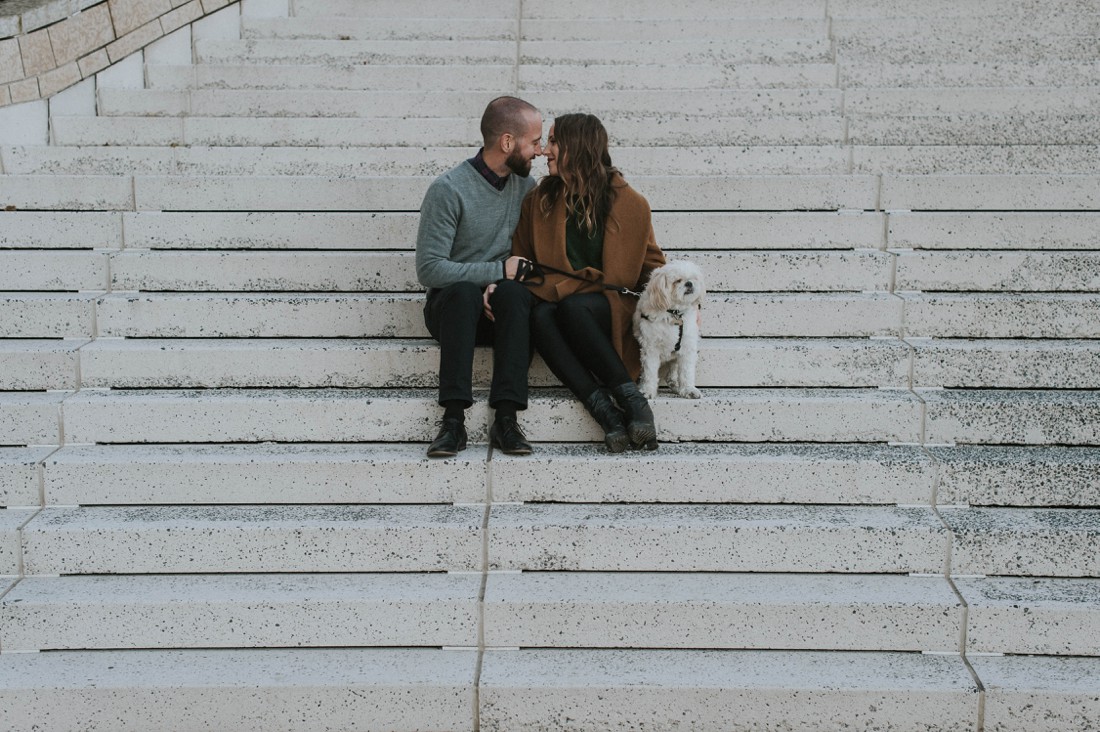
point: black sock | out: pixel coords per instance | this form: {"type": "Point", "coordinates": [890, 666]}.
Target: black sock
{"type": "Point", "coordinates": [454, 409]}
{"type": "Point", "coordinates": [506, 409]}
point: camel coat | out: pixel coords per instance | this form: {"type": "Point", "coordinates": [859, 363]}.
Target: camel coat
{"type": "Point", "coordinates": [630, 253]}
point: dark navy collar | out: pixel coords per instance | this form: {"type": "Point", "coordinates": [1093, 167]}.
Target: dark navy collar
{"type": "Point", "coordinates": [478, 161]}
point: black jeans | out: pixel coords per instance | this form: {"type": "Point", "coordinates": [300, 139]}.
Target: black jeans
{"type": "Point", "coordinates": [574, 338]}
{"type": "Point", "coordinates": [454, 317]}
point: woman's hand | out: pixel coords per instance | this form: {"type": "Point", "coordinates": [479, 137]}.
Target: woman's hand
{"type": "Point", "coordinates": [485, 300]}
{"type": "Point", "coordinates": [511, 266]}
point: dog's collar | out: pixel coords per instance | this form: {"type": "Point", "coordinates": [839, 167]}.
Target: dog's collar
{"type": "Point", "coordinates": [679, 315]}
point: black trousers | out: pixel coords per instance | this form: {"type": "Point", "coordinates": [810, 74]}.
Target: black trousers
{"type": "Point", "coordinates": [574, 338]}
{"type": "Point", "coordinates": [455, 318]}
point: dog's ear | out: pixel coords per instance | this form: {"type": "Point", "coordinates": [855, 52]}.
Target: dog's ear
{"type": "Point", "coordinates": [657, 289]}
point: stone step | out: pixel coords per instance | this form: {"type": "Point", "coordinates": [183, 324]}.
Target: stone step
{"type": "Point", "coordinates": [232, 539]}
{"type": "Point", "coordinates": [1002, 315]}
{"type": "Point", "coordinates": [928, 47]}
{"type": "Point", "coordinates": [159, 271]}
{"type": "Point", "coordinates": [411, 363]}
{"type": "Point", "coordinates": [241, 611]}
{"type": "Point", "coordinates": [30, 418]}
{"type": "Point", "coordinates": [1024, 542]}
{"type": "Point", "coordinates": [47, 315]}
{"type": "Point", "coordinates": [67, 192]}
{"type": "Point", "coordinates": [1045, 72]}
{"type": "Point", "coordinates": [719, 538]}
{"type": "Point", "coordinates": [28, 271]}
{"type": "Point", "coordinates": [413, 161]}
{"type": "Point", "coordinates": [571, 473]}
{"type": "Point", "coordinates": [607, 103]}
{"type": "Point", "coordinates": [259, 474]}
{"type": "Point", "coordinates": [684, 230]}
{"type": "Point", "coordinates": [32, 365]}
{"type": "Point", "coordinates": [544, 10]}
{"type": "Point", "coordinates": [313, 315]}
{"type": "Point", "coordinates": [909, 102]}
{"type": "Point", "coordinates": [963, 28]}
{"type": "Point", "coordinates": [382, 415]}
{"type": "Point", "coordinates": [589, 29]}
{"type": "Point", "coordinates": [1019, 476]}
{"type": "Point", "coordinates": [721, 611]}
{"type": "Point", "coordinates": [19, 475]}
{"type": "Point", "coordinates": [1018, 271]}
{"type": "Point", "coordinates": [974, 159]}
{"type": "Point", "coordinates": [720, 51]}
{"type": "Point", "coordinates": [368, 689]}
{"type": "Point", "coordinates": [11, 520]}
{"type": "Point", "coordinates": [1031, 128]}
{"type": "Point", "coordinates": [1012, 417]}
{"type": "Point", "coordinates": [933, 9]}
{"type": "Point", "coordinates": [1050, 617]}
{"type": "Point", "coordinates": [673, 130]}
{"type": "Point", "coordinates": [991, 192]}
{"type": "Point", "coordinates": [60, 229]}
{"type": "Point", "coordinates": [491, 79]}
{"type": "Point", "coordinates": [1001, 230]}
{"type": "Point", "coordinates": [1036, 694]}
{"type": "Point", "coordinates": [386, 9]}
{"type": "Point", "coordinates": [1007, 364]}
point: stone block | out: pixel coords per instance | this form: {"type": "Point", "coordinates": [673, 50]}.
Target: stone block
{"type": "Point", "coordinates": [24, 124]}
{"type": "Point", "coordinates": [996, 315]}
{"type": "Point", "coordinates": [30, 418]}
{"type": "Point", "coordinates": [5, 96]}
{"type": "Point", "coordinates": [1019, 542]}
{"type": "Point", "coordinates": [257, 474]}
{"type": "Point", "coordinates": [265, 8]}
{"type": "Point", "coordinates": [135, 40]}
{"type": "Point", "coordinates": [81, 34]}
{"type": "Point", "coordinates": [183, 15]}
{"type": "Point", "coordinates": [534, 78]}
{"type": "Point", "coordinates": [721, 52]}
{"type": "Point", "coordinates": [374, 690]}
{"type": "Point", "coordinates": [1049, 617]}
{"type": "Point", "coordinates": [1012, 417]}
{"type": "Point", "coordinates": [22, 92]}
{"type": "Point", "coordinates": [37, 52]}
{"type": "Point", "coordinates": [999, 271]}
{"type": "Point", "coordinates": [56, 270]}
{"type": "Point", "coordinates": [802, 315]}
{"type": "Point", "coordinates": [38, 365]}
{"type": "Point", "coordinates": [1036, 694]}
{"type": "Point", "coordinates": [66, 193]}
{"type": "Point", "coordinates": [11, 519]}
{"type": "Point", "coordinates": [717, 473]}
{"type": "Point", "coordinates": [11, 61]}
{"type": "Point", "coordinates": [223, 24]}
{"type": "Point", "coordinates": [989, 192]}
{"type": "Point", "coordinates": [93, 63]}
{"type": "Point", "coordinates": [321, 132]}
{"type": "Point", "coordinates": [51, 82]}
{"type": "Point", "coordinates": [64, 230]}
{"type": "Point", "coordinates": [128, 73]}
{"type": "Point", "coordinates": [173, 48]}
{"type": "Point", "coordinates": [780, 230]}
{"type": "Point", "coordinates": [1019, 476]}
{"type": "Point", "coordinates": [129, 15]}
{"type": "Point", "coordinates": [1006, 364]}
{"type": "Point", "coordinates": [605, 689]}
{"type": "Point", "coordinates": [347, 53]}
{"type": "Point", "coordinates": [715, 538]}
{"type": "Point", "coordinates": [241, 611]}
{"type": "Point", "coordinates": [96, 131]}
{"type": "Point", "coordinates": [19, 482]}
{"type": "Point", "coordinates": [37, 315]}
{"type": "Point", "coordinates": [78, 100]}
{"type": "Point", "coordinates": [206, 539]}
{"type": "Point", "coordinates": [1008, 230]}
{"type": "Point", "coordinates": [714, 611]}
{"type": "Point", "coordinates": [229, 193]}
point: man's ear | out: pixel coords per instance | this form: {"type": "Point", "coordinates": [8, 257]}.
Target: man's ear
{"type": "Point", "coordinates": [506, 143]}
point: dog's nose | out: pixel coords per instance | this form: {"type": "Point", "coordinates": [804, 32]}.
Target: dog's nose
{"type": "Point", "coordinates": [689, 286]}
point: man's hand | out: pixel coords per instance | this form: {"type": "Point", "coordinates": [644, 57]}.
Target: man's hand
{"type": "Point", "coordinates": [485, 301]}
{"type": "Point", "coordinates": [511, 266]}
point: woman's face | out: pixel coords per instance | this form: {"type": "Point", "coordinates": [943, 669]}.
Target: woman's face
{"type": "Point", "coordinates": [551, 153]}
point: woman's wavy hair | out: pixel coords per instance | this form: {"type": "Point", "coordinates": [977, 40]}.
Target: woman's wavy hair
{"type": "Point", "coordinates": [585, 160]}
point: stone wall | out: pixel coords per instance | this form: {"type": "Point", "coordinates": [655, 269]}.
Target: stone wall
{"type": "Point", "coordinates": [47, 46]}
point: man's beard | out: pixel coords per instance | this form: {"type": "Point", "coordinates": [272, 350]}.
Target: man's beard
{"type": "Point", "coordinates": [518, 164]}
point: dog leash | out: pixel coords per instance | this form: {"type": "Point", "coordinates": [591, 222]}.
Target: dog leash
{"type": "Point", "coordinates": [528, 269]}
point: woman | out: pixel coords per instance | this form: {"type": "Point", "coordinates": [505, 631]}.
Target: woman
{"type": "Point", "coordinates": [583, 219]}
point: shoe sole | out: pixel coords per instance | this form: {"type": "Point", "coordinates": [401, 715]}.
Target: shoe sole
{"type": "Point", "coordinates": [445, 453]}
{"type": "Point", "coordinates": [643, 435]}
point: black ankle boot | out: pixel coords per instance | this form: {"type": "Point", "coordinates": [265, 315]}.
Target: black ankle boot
{"type": "Point", "coordinates": [639, 417]}
{"type": "Point", "coordinates": [600, 407]}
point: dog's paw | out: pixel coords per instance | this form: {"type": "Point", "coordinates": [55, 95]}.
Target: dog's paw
{"type": "Point", "coordinates": [648, 389]}
{"type": "Point", "coordinates": [691, 393]}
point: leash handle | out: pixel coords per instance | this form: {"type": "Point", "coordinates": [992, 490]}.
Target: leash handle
{"type": "Point", "coordinates": [529, 269]}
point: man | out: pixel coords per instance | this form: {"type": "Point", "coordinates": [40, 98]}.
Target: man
{"type": "Point", "coordinates": [462, 257]}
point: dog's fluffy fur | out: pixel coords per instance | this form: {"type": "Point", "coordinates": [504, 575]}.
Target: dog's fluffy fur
{"type": "Point", "coordinates": [672, 297]}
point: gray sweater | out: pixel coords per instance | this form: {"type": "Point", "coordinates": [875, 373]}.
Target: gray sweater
{"type": "Point", "coordinates": [466, 227]}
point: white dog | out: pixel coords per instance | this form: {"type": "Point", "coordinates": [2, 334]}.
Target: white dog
{"type": "Point", "coordinates": [666, 323]}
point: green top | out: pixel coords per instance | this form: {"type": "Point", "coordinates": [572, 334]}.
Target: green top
{"type": "Point", "coordinates": [582, 250]}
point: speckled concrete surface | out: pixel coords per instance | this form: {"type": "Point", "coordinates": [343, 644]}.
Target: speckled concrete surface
{"type": "Point", "coordinates": [194, 691]}
{"type": "Point", "coordinates": [772, 230]}
{"type": "Point", "coordinates": [256, 474]}
{"type": "Point", "coordinates": [1002, 230]}
{"type": "Point", "coordinates": [699, 690]}
{"type": "Point", "coordinates": [60, 229]}
{"type": "Point", "coordinates": [975, 159]}
{"type": "Point", "coordinates": [54, 270]}
{"type": "Point", "coordinates": [39, 364]}
{"type": "Point", "coordinates": [1002, 315]}
{"type": "Point", "coordinates": [999, 271]}
{"type": "Point", "coordinates": [717, 473]}
{"type": "Point", "coordinates": [1056, 617]}
{"type": "Point", "coordinates": [747, 611]}
{"type": "Point", "coordinates": [67, 193]}
{"type": "Point", "coordinates": [19, 475]}
{"type": "Point", "coordinates": [1043, 542]}
{"type": "Point", "coordinates": [1012, 417]}
{"type": "Point", "coordinates": [30, 418]}
{"type": "Point", "coordinates": [241, 611]}
{"type": "Point", "coordinates": [1010, 364]}
{"type": "Point", "coordinates": [11, 519]}
{"type": "Point", "coordinates": [201, 539]}
{"type": "Point", "coordinates": [47, 315]}
{"type": "Point", "coordinates": [722, 538]}
{"type": "Point", "coordinates": [1019, 476]}
{"type": "Point", "coordinates": [1035, 694]}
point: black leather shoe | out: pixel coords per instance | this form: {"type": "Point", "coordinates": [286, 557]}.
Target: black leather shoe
{"type": "Point", "coordinates": [450, 440]}
{"type": "Point", "coordinates": [506, 436]}
{"type": "Point", "coordinates": [639, 417]}
{"type": "Point", "coordinates": [610, 418]}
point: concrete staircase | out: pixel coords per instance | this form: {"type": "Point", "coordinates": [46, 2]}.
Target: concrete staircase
{"type": "Point", "coordinates": [884, 514]}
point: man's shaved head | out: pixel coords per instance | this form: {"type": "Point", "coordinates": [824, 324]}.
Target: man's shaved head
{"type": "Point", "coordinates": [505, 115]}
